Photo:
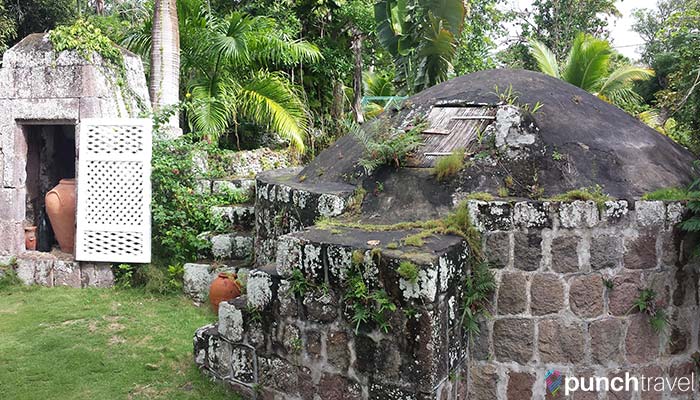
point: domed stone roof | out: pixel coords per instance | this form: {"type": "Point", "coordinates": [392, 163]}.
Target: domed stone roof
{"type": "Point", "coordinates": [526, 134]}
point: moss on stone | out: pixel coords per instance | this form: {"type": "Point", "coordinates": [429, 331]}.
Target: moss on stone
{"type": "Point", "coordinates": [593, 193]}
{"type": "Point", "coordinates": [482, 196]}
{"type": "Point", "coordinates": [408, 271]}
{"type": "Point", "coordinates": [672, 194]}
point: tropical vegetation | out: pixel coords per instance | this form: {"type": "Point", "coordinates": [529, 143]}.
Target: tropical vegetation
{"type": "Point", "coordinates": [588, 66]}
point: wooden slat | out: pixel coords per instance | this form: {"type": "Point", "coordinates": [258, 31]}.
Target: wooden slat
{"type": "Point", "coordinates": [477, 117]}
{"type": "Point", "coordinates": [435, 132]}
{"type": "Point", "coordinates": [462, 123]}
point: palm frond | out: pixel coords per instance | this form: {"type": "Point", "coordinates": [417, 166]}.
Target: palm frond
{"type": "Point", "coordinates": [623, 77]}
{"type": "Point", "coordinates": [546, 60]}
{"type": "Point", "coordinates": [271, 99]}
{"type": "Point", "coordinates": [210, 110]}
{"type": "Point", "coordinates": [587, 62]}
{"type": "Point", "coordinates": [230, 43]}
{"type": "Point", "coordinates": [270, 49]}
{"type": "Point", "coordinates": [377, 84]}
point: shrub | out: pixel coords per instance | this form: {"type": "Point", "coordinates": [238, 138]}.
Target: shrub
{"type": "Point", "coordinates": [180, 213]}
{"type": "Point", "coordinates": [449, 166]}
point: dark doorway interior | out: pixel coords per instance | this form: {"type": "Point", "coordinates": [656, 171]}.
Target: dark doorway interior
{"type": "Point", "coordinates": [50, 158]}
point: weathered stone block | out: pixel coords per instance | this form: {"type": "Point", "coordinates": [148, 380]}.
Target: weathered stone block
{"type": "Point", "coordinates": [338, 387]}
{"type": "Point", "coordinates": [606, 251]}
{"type": "Point", "coordinates": [546, 294]}
{"type": "Point", "coordinates": [35, 271]}
{"type": "Point", "coordinates": [606, 341]}
{"type": "Point", "coordinates": [337, 350]}
{"type": "Point", "coordinates": [586, 295]}
{"type": "Point", "coordinates": [512, 293]}
{"type": "Point", "coordinates": [196, 281]}
{"type": "Point", "coordinates": [230, 322]}
{"type": "Point", "coordinates": [578, 214]}
{"type": "Point", "coordinates": [615, 211]}
{"type": "Point", "coordinates": [259, 289]}
{"type": "Point", "coordinates": [625, 290]}
{"type": "Point", "coordinates": [321, 306]}
{"type": "Point", "coordinates": [560, 341]}
{"type": "Point", "coordinates": [641, 342]}
{"type": "Point", "coordinates": [520, 385]}
{"type": "Point", "coordinates": [483, 384]}
{"type": "Point", "coordinates": [565, 257]}
{"type": "Point", "coordinates": [640, 251]}
{"type": "Point", "coordinates": [513, 339]}
{"type": "Point", "coordinates": [96, 275]}
{"type": "Point", "coordinates": [650, 213]}
{"type": "Point", "coordinates": [527, 252]}
{"type": "Point", "coordinates": [66, 273]}
{"type": "Point", "coordinates": [491, 216]}
{"type": "Point", "coordinates": [531, 215]}
{"type": "Point", "coordinates": [497, 248]}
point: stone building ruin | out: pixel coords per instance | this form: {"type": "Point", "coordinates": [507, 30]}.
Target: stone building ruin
{"type": "Point", "coordinates": [51, 102]}
{"type": "Point", "coordinates": [567, 271]}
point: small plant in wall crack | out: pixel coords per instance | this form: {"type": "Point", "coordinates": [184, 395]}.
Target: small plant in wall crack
{"type": "Point", "coordinates": [478, 286]}
{"type": "Point", "coordinates": [299, 285]}
{"type": "Point", "coordinates": [366, 305]}
{"type": "Point", "coordinates": [646, 304]}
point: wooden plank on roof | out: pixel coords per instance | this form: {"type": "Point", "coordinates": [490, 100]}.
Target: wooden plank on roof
{"type": "Point", "coordinates": [474, 117]}
{"type": "Point", "coordinates": [436, 132]}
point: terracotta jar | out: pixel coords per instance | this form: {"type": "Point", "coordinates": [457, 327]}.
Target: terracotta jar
{"type": "Point", "coordinates": [30, 238]}
{"type": "Point", "coordinates": [225, 287]}
{"type": "Point", "coordinates": [60, 207]}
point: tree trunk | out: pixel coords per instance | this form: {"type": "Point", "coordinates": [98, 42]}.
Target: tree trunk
{"type": "Point", "coordinates": [337, 109]}
{"type": "Point", "coordinates": [356, 46]}
{"type": "Point", "coordinates": [165, 61]}
{"type": "Point", "coordinates": [99, 7]}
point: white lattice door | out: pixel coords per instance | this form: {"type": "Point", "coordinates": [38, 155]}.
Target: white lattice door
{"type": "Point", "coordinates": [114, 190]}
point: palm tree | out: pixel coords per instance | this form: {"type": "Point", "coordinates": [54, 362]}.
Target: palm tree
{"type": "Point", "coordinates": [164, 85]}
{"type": "Point", "coordinates": [231, 71]}
{"type": "Point", "coordinates": [588, 67]}
{"type": "Point", "coordinates": [229, 60]}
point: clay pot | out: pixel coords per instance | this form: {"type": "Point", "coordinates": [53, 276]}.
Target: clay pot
{"type": "Point", "coordinates": [225, 287]}
{"type": "Point", "coordinates": [30, 238]}
{"type": "Point", "coordinates": [60, 207]}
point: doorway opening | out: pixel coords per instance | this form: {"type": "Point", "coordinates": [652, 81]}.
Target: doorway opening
{"type": "Point", "coordinates": [51, 156]}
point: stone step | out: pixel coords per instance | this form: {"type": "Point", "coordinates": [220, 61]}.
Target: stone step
{"type": "Point", "coordinates": [199, 275]}
{"type": "Point", "coordinates": [232, 246]}
{"type": "Point", "coordinates": [238, 217]}
{"type": "Point", "coordinates": [218, 186]}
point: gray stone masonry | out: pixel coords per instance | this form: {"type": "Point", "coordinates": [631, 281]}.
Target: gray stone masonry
{"type": "Point", "coordinates": [567, 275]}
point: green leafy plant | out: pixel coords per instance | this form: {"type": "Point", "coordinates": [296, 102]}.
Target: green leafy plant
{"type": "Point", "coordinates": [646, 303]}
{"type": "Point", "coordinates": [299, 285]}
{"type": "Point", "coordinates": [478, 286]}
{"type": "Point", "coordinates": [672, 194]}
{"type": "Point", "coordinates": [391, 146]}
{"type": "Point", "coordinates": [88, 40]}
{"type": "Point", "coordinates": [557, 156]}
{"type": "Point", "coordinates": [366, 305]}
{"type": "Point", "coordinates": [448, 166]}
{"type": "Point", "coordinates": [123, 275]}
{"type": "Point", "coordinates": [609, 283]}
{"type": "Point", "coordinates": [180, 211]}
{"type": "Point", "coordinates": [8, 275]}
{"type": "Point", "coordinates": [408, 271]}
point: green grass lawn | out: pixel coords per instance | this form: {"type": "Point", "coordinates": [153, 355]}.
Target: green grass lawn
{"type": "Point", "coordinates": [61, 343]}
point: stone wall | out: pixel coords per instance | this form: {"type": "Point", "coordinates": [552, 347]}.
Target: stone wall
{"type": "Point", "coordinates": [283, 204]}
{"type": "Point", "coordinates": [567, 276]}
{"type": "Point", "coordinates": [38, 86]}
